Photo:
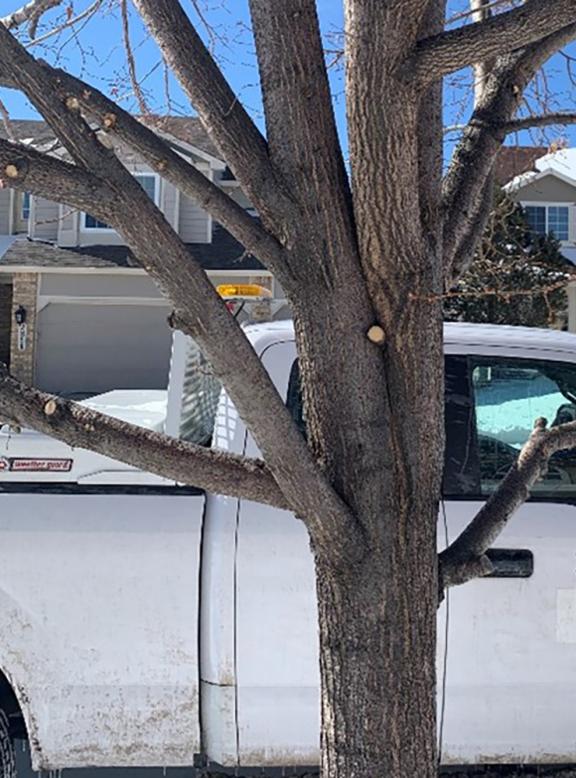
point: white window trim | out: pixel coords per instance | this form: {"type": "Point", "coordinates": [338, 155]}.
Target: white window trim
{"type": "Point", "coordinates": [555, 204]}
{"type": "Point", "coordinates": [22, 200]}
{"type": "Point", "coordinates": [109, 230]}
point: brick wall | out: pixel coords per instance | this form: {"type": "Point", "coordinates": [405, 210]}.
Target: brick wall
{"type": "Point", "coordinates": [5, 321]}
{"type": "Point", "coordinates": [25, 294]}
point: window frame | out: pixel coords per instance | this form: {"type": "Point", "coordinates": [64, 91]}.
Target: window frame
{"type": "Point", "coordinates": [555, 204]}
{"type": "Point", "coordinates": [462, 460]}
{"type": "Point", "coordinates": [109, 230]}
{"type": "Point", "coordinates": [26, 196]}
{"type": "Point", "coordinates": [469, 471]}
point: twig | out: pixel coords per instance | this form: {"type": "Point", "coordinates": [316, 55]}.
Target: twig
{"type": "Point", "coordinates": [68, 23]}
{"type": "Point", "coordinates": [142, 105]}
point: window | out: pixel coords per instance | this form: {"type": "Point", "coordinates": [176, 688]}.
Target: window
{"type": "Point", "coordinates": [491, 407]}
{"type": "Point", "coordinates": [509, 395]}
{"type": "Point", "coordinates": [148, 184]}
{"type": "Point", "coordinates": [25, 209]}
{"type": "Point", "coordinates": [549, 219]}
{"type": "Point", "coordinates": [200, 395]}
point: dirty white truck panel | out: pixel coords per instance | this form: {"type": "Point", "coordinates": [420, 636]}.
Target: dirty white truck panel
{"type": "Point", "coordinates": [143, 624]}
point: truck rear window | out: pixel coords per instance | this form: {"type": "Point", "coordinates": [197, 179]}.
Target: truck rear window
{"type": "Point", "coordinates": [201, 392]}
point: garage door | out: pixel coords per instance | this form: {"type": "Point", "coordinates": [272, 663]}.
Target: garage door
{"type": "Point", "coordinates": [95, 348]}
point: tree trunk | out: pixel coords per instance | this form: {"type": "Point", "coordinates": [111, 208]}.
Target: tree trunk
{"type": "Point", "coordinates": [378, 617]}
{"type": "Point", "coordinates": [377, 664]}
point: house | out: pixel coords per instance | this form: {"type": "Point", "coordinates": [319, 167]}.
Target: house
{"type": "Point", "coordinates": [78, 315]}
{"type": "Point", "coordinates": [545, 186]}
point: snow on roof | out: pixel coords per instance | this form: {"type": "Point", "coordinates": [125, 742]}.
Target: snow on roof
{"type": "Point", "coordinates": [562, 161]}
{"type": "Point", "coordinates": [561, 164]}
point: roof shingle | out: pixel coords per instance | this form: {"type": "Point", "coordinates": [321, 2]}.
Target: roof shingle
{"type": "Point", "coordinates": [224, 253]}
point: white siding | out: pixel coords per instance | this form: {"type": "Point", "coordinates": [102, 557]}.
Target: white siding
{"type": "Point", "coordinates": [67, 226]}
{"type": "Point", "coordinates": [44, 220]}
{"type": "Point", "coordinates": [195, 225]}
{"type": "Point", "coordinates": [5, 204]}
{"type": "Point", "coordinates": [170, 200]}
{"type": "Point", "coordinates": [109, 284]}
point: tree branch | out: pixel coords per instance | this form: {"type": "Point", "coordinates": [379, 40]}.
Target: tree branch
{"type": "Point", "coordinates": [302, 138]}
{"type": "Point", "coordinates": [175, 169]}
{"type": "Point", "coordinates": [463, 194]}
{"type": "Point", "coordinates": [29, 13]}
{"type": "Point", "coordinates": [144, 449]}
{"type": "Point", "coordinates": [430, 135]}
{"type": "Point", "coordinates": [28, 170]}
{"type": "Point", "coordinates": [200, 313]}
{"type": "Point", "coordinates": [464, 558]}
{"type": "Point", "coordinates": [544, 120]}
{"type": "Point", "coordinates": [239, 140]}
{"type": "Point", "coordinates": [439, 55]}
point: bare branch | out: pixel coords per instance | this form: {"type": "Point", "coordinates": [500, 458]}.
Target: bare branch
{"type": "Point", "coordinates": [142, 105]}
{"type": "Point", "coordinates": [463, 193]}
{"type": "Point", "coordinates": [90, 11]}
{"type": "Point", "coordinates": [462, 559]}
{"type": "Point", "coordinates": [177, 460]}
{"type": "Point", "coordinates": [430, 139]}
{"type": "Point", "coordinates": [174, 168]}
{"type": "Point", "coordinates": [27, 170]}
{"type": "Point", "coordinates": [545, 120]}
{"type": "Point", "coordinates": [480, 12]}
{"type": "Point", "coordinates": [199, 312]}
{"type": "Point", "coordinates": [241, 143]}
{"type": "Point", "coordinates": [30, 13]}
{"type": "Point", "coordinates": [450, 51]}
{"type": "Point", "coordinates": [472, 228]}
{"type": "Point", "coordinates": [298, 104]}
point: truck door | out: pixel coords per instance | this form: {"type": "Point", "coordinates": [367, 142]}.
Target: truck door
{"type": "Point", "coordinates": [276, 619]}
{"type": "Point", "coordinates": [511, 653]}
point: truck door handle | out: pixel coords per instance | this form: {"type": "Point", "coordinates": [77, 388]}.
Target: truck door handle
{"type": "Point", "coordinates": [511, 562]}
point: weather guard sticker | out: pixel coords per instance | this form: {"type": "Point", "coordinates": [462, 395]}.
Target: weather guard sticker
{"type": "Point", "coordinates": [32, 465]}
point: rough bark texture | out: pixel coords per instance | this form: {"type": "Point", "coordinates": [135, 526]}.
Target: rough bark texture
{"type": "Point", "coordinates": [363, 259]}
{"type": "Point", "coordinates": [377, 716]}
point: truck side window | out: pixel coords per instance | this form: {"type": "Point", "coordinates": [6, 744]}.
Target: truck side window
{"type": "Point", "coordinates": [461, 468]}
{"type": "Point", "coordinates": [461, 465]}
{"type": "Point", "coordinates": [509, 395]}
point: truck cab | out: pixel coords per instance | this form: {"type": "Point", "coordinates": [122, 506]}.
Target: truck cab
{"type": "Point", "coordinates": [144, 623]}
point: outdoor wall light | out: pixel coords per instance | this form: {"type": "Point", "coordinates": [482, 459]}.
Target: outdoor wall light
{"type": "Point", "coordinates": [20, 315]}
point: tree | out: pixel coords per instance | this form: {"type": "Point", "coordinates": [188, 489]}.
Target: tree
{"type": "Point", "coordinates": [517, 277]}
{"type": "Point", "coordinates": [364, 258]}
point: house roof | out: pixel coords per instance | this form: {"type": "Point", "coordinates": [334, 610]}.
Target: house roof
{"type": "Point", "coordinates": [224, 253]}
{"type": "Point", "coordinates": [512, 161]}
{"type": "Point", "coordinates": [188, 129]}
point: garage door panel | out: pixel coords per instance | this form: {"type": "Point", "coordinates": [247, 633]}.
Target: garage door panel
{"type": "Point", "coordinates": [96, 348]}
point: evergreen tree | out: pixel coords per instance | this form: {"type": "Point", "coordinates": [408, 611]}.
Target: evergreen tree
{"type": "Point", "coordinates": [517, 277]}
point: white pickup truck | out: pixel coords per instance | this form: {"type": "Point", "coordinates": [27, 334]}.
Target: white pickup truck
{"type": "Point", "coordinates": [144, 623]}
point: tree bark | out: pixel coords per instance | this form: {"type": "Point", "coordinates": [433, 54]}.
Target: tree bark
{"type": "Point", "coordinates": [377, 665]}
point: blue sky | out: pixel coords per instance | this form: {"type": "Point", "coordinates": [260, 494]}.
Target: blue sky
{"type": "Point", "coordinates": [97, 54]}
